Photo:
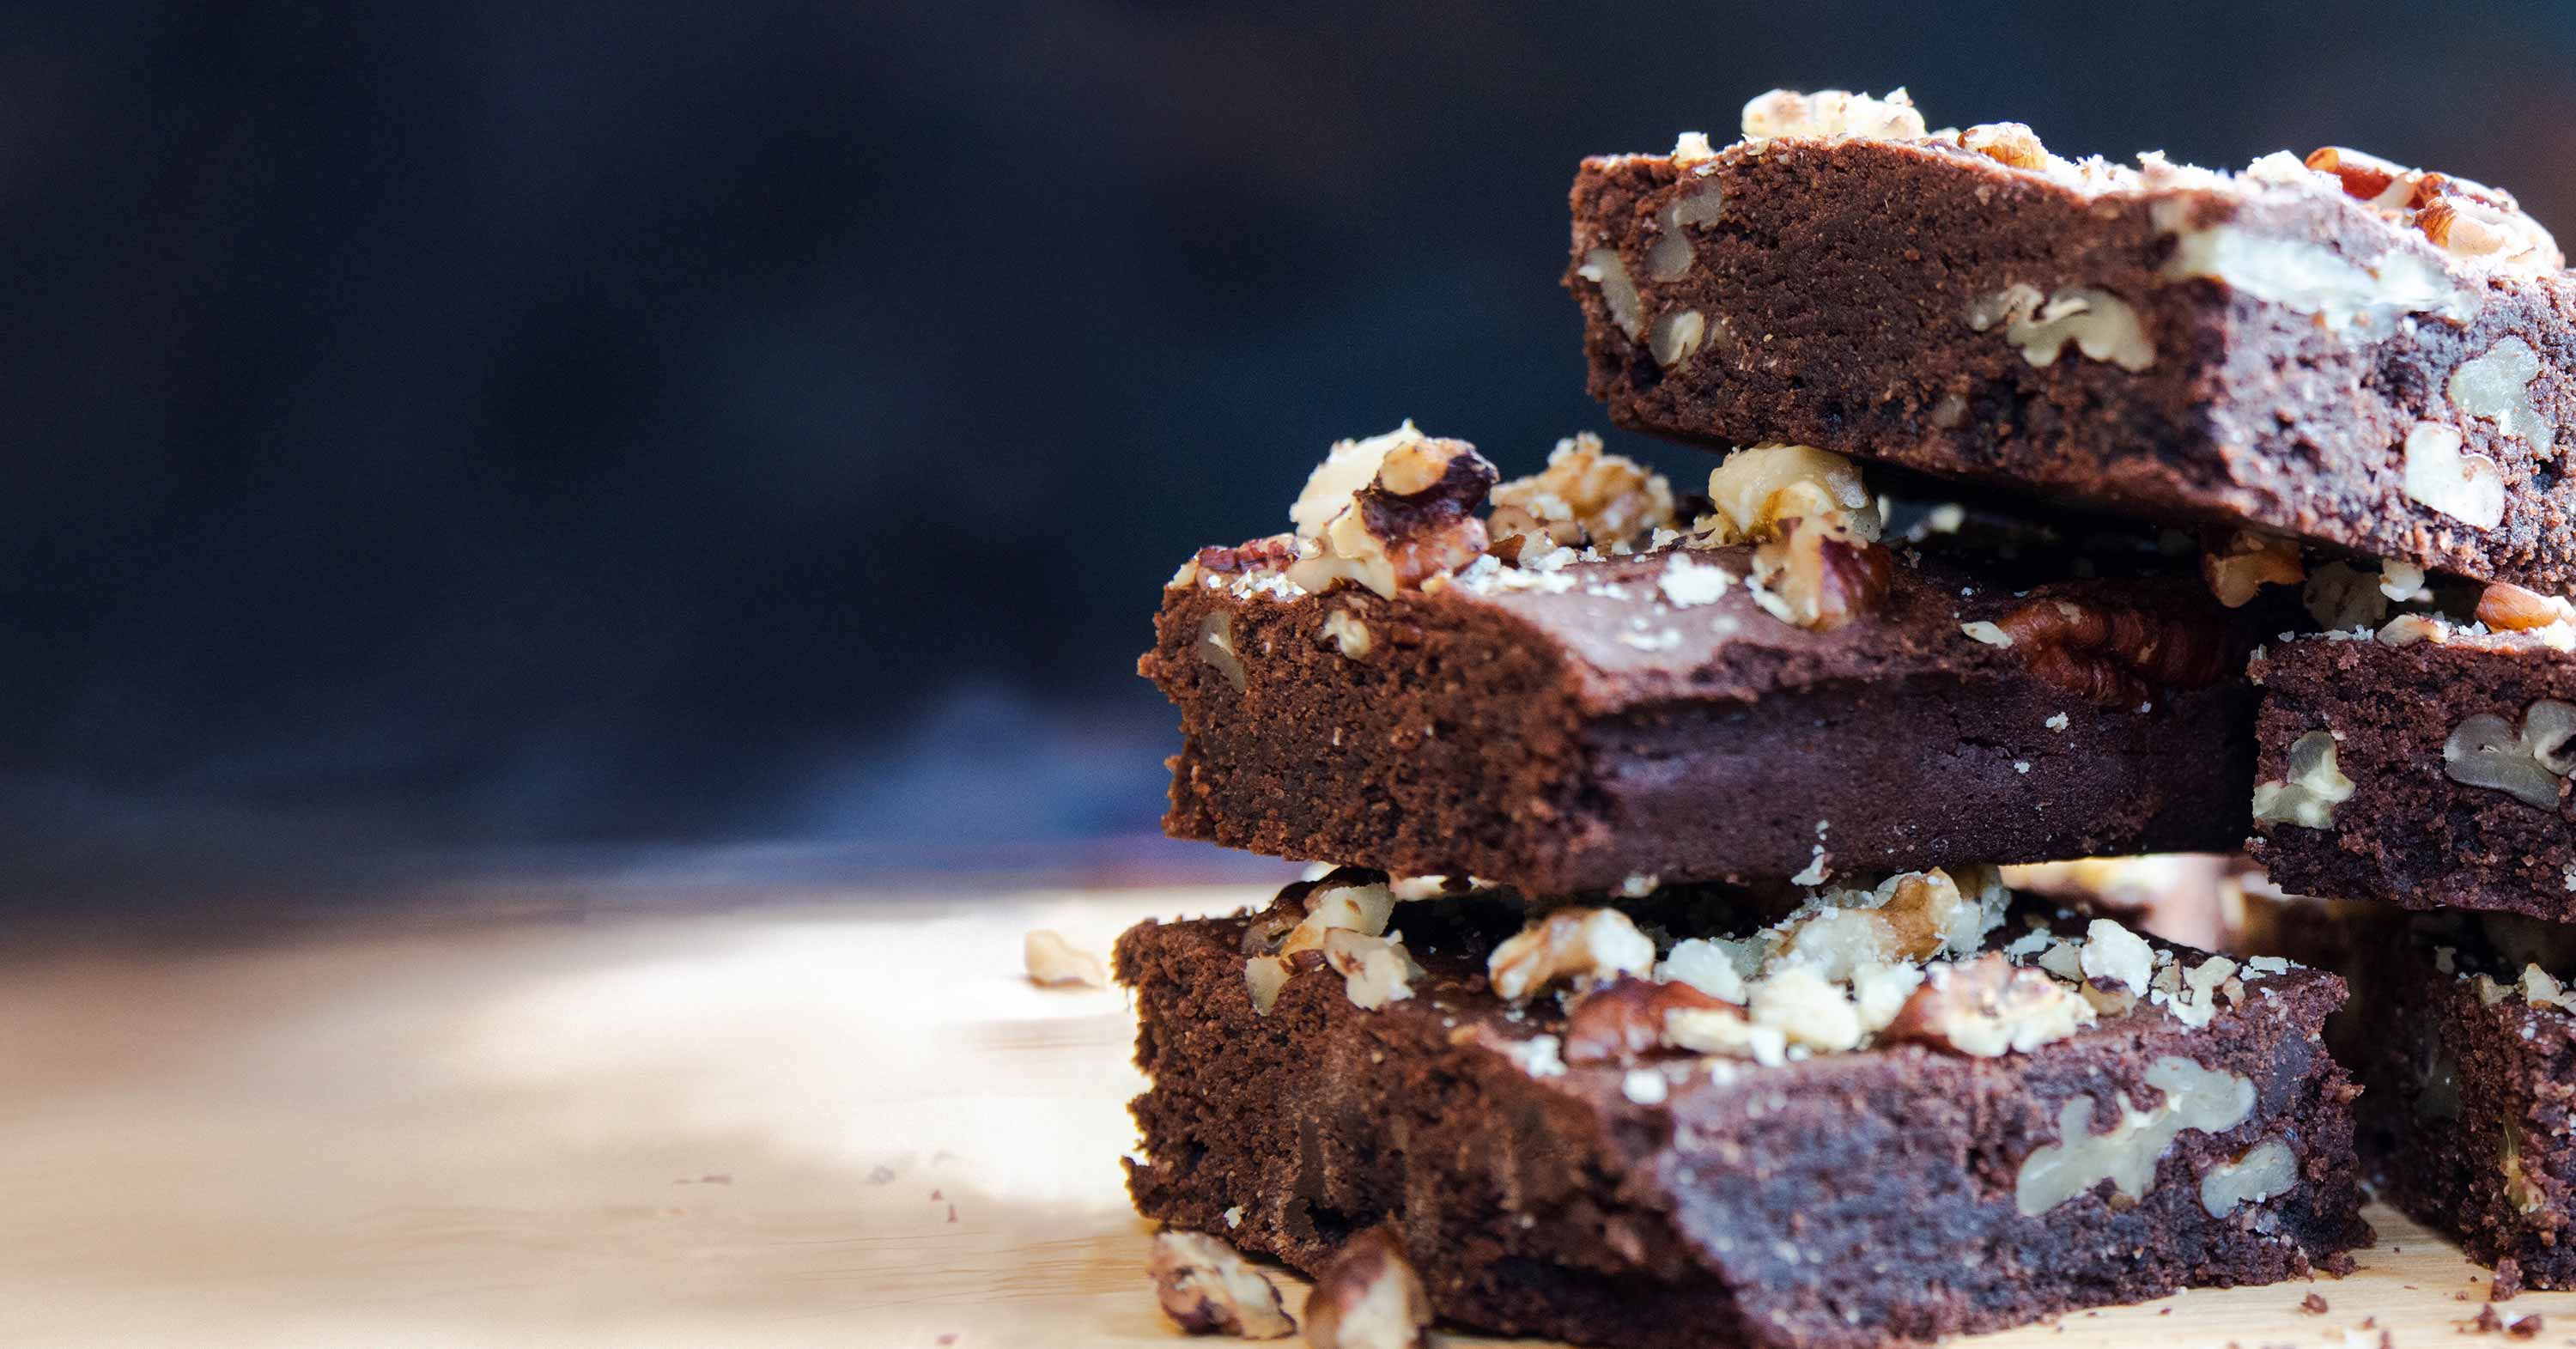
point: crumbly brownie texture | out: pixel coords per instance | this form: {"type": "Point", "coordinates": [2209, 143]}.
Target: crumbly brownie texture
{"type": "Point", "coordinates": [1599, 724]}
{"type": "Point", "coordinates": [1636, 1194]}
{"type": "Point", "coordinates": [2370, 357]}
{"type": "Point", "coordinates": [2466, 1048]}
{"type": "Point", "coordinates": [2430, 774]}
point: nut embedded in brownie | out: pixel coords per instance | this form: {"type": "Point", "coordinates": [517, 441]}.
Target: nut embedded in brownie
{"type": "Point", "coordinates": [2426, 766]}
{"type": "Point", "coordinates": [1613, 696]}
{"type": "Point", "coordinates": [2372, 357]}
{"type": "Point", "coordinates": [1890, 1114]}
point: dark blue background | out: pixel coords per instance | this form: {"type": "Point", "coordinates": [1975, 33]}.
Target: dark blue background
{"type": "Point", "coordinates": [474, 425]}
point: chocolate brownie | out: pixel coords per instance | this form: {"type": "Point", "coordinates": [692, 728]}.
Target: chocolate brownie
{"type": "Point", "coordinates": [1600, 724]}
{"type": "Point", "coordinates": [2430, 774]}
{"type": "Point", "coordinates": [2465, 1045]}
{"type": "Point", "coordinates": [1850, 1128]}
{"type": "Point", "coordinates": [2369, 357]}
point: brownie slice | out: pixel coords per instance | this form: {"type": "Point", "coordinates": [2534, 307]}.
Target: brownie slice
{"type": "Point", "coordinates": [1604, 724]}
{"type": "Point", "coordinates": [2466, 1048]}
{"type": "Point", "coordinates": [2430, 774]}
{"type": "Point", "coordinates": [1577, 1175]}
{"type": "Point", "coordinates": [2366, 356]}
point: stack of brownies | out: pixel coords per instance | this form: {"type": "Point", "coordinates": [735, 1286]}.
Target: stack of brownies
{"type": "Point", "coordinates": [1663, 989]}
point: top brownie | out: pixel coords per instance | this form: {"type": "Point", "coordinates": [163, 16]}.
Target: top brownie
{"type": "Point", "coordinates": [2365, 356]}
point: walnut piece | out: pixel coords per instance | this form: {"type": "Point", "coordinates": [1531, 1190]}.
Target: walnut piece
{"type": "Point", "coordinates": [1833, 113]}
{"type": "Point", "coordinates": [1569, 945]}
{"type": "Point", "coordinates": [1988, 1007]}
{"type": "Point", "coordinates": [1602, 267]}
{"type": "Point", "coordinates": [2340, 596]}
{"type": "Point", "coordinates": [2497, 386]}
{"type": "Point", "coordinates": [1346, 631]}
{"type": "Point", "coordinates": [2238, 569]}
{"type": "Point", "coordinates": [1621, 1019]}
{"type": "Point", "coordinates": [1755, 489]}
{"type": "Point", "coordinates": [2527, 764]}
{"type": "Point", "coordinates": [1673, 256]}
{"type": "Point", "coordinates": [2112, 954]}
{"type": "Point", "coordinates": [2470, 221]}
{"type": "Point", "coordinates": [2006, 143]}
{"type": "Point", "coordinates": [2112, 655]}
{"type": "Point", "coordinates": [1583, 496]}
{"type": "Point", "coordinates": [1207, 1289]}
{"type": "Point", "coordinates": [1818, 575]}
{"type": "Point", "coordinates": [1412, 518]}
{"type": "Point", "coordinates": [1050, 959]}
{"type": "Point", "coordinates": [2266, 1169]}
{"type": "Point", "coordinates": [2467, 486]}
{"type": "Point", "coordinates": [2309, 790]}
{"type": "Point", "coordinates": [2100, 324]}
{"type": "Point", "coordinates": [1215, 649]}
{"type": "Point", "coordinates": [1375, 970]}
{"type": "Point", "coordinates": [2207, 1099]}
{"type": "Point", "coordinates": [1368, 1297]}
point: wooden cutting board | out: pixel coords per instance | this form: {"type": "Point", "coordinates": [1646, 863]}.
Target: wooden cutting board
{"type": "Point", "coordinates": [847, 1122]}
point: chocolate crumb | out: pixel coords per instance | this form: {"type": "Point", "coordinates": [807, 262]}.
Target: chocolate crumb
{"type": "Point", "coordinates": [949, 1338]}
{"type": "Point", "coordinates": [2313, 1305]}
{"type": "Point", "coordinates": [2487, 1321]}
{"type": "Point", "coordinates": [952, 1213]}
{"type": "Point", "coordinates": [2508, 1280]}
{"type": "Point", "coordinates": [936, 1196]}
{"type": "Point", "coordinates": [2525, 1328]}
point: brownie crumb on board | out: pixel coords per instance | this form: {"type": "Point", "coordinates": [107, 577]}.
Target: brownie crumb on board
{"type": "Point", "coordinates": [2313, 1305]}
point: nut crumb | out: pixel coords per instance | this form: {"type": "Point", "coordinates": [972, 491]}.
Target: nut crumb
{"type": "Point", "coordinates": [1207, 1289]}
{"type": "Point", "coordinates": [1368, 1297]}
{"type": "Point", "coordinates": [1572, 944]}
{"type": "Point", "coordinates": [1053, 961]}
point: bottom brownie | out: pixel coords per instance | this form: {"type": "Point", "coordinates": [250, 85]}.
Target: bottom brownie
{"type": "Point", "coordinates": [1849, 1128]}
{"type": "Point", "coordinates": [2467, 1048]}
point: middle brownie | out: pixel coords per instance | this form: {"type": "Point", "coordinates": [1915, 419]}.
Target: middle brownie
{"type": "Point", "coordinates": [1605, 725]}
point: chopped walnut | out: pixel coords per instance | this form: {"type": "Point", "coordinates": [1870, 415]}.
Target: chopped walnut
{"type": "Point", "coordinates": [1806, 1008]}
{"type": "Point", "coordinates": [1817, 575]}
{"type": "Point", "coordinates": [2529, 763]}
{"type": "Point", "coordinates": [2498, 387]}
{"type": "Point", "coordinates": [1755, 489]}
{"type": "Point", "coordinates": [2006, 143]}
{"type": "Point", "coordinates": [2113, 656]}
{"type": "Point", "coordinates": [1368, 1297]}
{"type": "Point", "coordinates": [1207, 1289]}
{"type": "Point", "coordinates": [1215, 649]}
{"type": "Point", "coordinates": [1603, 267]}
{"type": "Point", "coordinates": [2466, 486]}
{"type": "Point", "coordinates": [2340, 596]}
{"type": "Point", "coordinates": [2248, 561]}
{"type": "Point", "coordinates": [1913, 916]}
{"type": "Point", "coordinates": [2472, 222]}
{"type": "Point", "coordinates": [1346, 899]}
{"type": "Point", "coordinates": [2310, 789]}
{"type": "Point", "coordinates": [1375, 970]}
{"type": "Point", "coordinates": [1624, 1018]}
{"type": "Point", "coordinates": [1575, 945]}
{"type": "Point", "coordinates": [1411, 519]}
{"type": "Point", "coordinates": [1345, 631]}
{"type": "Point", "coordinates": [2100, 324]}
{"type": "Point", "coordinates": [1050, 959]}
{"type": "Point", "coordinates": [1833, 113]}
{"type": "Point", "coordinates": [2113, 954]}
{"type": "Point", "coordinates": [1585, 496]}
{"type": "Point", "coordinates": [1988, 1007]}
{"type": "Point", "coordinates": [2207, 1099]}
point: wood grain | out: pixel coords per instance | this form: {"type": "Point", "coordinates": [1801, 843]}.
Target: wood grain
{"type": "Point", "coordinates": [843, 1123]}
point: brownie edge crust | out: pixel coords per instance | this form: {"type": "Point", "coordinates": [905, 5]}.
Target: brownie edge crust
{"type": "Point", "coordinates": [1848, 1199]}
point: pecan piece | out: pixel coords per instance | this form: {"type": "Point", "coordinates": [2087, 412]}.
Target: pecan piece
{"type": "Point", "coordinates": [1368, 1297]}
{"type": "Point", "coordinates": [2510, 608]}
{"type": "Point", "coordinates": [1986, 1008]}
{"type": "Point", "coordinates": [1625, 1017]}
{"type": "Point", "coordinates": [2111, 654]}
{"type": "Point", "coordinates": [1819, 575]}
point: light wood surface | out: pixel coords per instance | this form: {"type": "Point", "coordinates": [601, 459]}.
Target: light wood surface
{"type": "Point", "coordinates": [837, 1123]}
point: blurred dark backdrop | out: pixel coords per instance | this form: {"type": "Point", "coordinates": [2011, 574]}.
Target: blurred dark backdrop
{"type": "Point", "coordinates": [474, 425]}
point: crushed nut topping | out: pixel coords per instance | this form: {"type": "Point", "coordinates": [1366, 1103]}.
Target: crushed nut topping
{"type": "Point", "coordinates": [1575, 945]}
{"type": "Point", "coordinates": [1988, 1007]}
{"type": "Point", "coordinates": [1755, 489]}
{"type": "Point", "coordinates": [1413, 518]}
{"type": "Point", "coordinates": [2468, 220]}
{"type": "Point", "coordinates": [1818, 575]}
{"type": "Point", "coordinates": [1583, 496]}
{"type": "Point", "coordinates": [1832, 113]}
{"type": "Point", "coordinates": [2528, 763]}
{"type": "Point", "coordinates": [2238, 569]}
{"type": "Point", "coordinates": [1207, 1289]}
{"type": "Point", "coordinates": [2310, 789]}
{"type": "Point", "coordinates": [1623, 1018]}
